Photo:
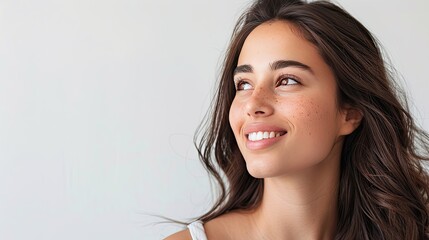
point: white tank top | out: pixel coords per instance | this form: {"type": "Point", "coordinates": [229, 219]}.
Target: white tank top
{"type": "Point", "coordinates": [197, 231]}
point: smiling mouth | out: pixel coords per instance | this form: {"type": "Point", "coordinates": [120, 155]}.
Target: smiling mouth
{"type": "Point", "coordinates": [257, 136]}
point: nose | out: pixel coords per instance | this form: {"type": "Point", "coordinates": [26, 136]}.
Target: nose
{"type": "Point", "coordinates": [260, 103]}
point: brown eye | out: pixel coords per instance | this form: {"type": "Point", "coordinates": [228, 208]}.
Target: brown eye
{"type": "Point", "coordinates": [287, 80]}
{"type": "Point", "coordinates": [243, 85]}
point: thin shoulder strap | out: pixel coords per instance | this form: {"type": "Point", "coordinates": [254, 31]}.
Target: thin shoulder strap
{"type": "Point", "coordinates": [197, 231]}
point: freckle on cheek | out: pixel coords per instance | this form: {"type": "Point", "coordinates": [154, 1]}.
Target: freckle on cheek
{"type": "Point", "coordinates": [313, 111]}
{"type": "Point", "coordinates": [316, 110]}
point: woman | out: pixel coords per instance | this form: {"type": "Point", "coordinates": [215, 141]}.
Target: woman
{"type": "Point", "coordinates": [308, 137]}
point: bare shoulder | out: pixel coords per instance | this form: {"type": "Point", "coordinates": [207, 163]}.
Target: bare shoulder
{"type": "Point", "coordinates": [182, 235]}
{"type": "Point", "coordinates": [233, 225]}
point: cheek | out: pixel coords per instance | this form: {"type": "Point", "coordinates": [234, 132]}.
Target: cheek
{"type": "Point", "coordinates": [314, 121]}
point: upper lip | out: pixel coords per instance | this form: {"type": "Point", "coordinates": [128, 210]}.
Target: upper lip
{"type": "Point", "coordinates": [261, 127]}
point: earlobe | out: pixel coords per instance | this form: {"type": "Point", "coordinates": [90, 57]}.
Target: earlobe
{"type": "Point", "coordinates": [351, 119]}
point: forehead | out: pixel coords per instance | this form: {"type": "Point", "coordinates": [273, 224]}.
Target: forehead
{"type": "Point", "coordinates": [278, 40]}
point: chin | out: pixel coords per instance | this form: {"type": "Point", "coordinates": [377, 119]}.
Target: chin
{"type": "Point", "coordinates": [271, 167]}
{"type": "Point", "coordinates": [262, 170]}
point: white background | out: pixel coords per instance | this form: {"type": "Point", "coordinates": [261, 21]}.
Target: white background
{"type": "Point", "coordinates": [100, 99]}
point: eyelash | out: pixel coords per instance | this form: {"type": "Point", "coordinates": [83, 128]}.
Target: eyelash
{"type": "Point", "coordinates": [238, 83]}
{"type": "Point", "coordinates": [287, 77]}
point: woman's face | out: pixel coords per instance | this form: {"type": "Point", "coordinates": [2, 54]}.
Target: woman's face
{"type": "Point", "coordinates": [285, 116]}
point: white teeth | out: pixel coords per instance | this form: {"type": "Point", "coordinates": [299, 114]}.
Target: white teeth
{"type": "Point", "coordinates": [266, 135]}
{"type": "Point", "coordinates": [259, 136]}
{"type": "Point", "coordinates": [256, 136]}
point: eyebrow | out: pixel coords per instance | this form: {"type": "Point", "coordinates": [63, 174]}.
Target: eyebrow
{"type": "Point", "coordinates": [246, 68]}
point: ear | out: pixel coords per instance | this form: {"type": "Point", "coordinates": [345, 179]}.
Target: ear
{"type": "Point", "coordinates": [350, 119]}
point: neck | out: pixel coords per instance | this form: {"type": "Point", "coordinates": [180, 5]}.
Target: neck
{"type": "Point", "coordinates": [302, 206]}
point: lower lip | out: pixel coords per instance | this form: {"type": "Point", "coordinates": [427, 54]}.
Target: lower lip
{"type": "Point", "coordinates": [261, 144]}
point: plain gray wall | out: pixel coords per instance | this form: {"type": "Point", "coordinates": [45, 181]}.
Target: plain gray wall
{"type": "Point", "coordinates": [99, 101]}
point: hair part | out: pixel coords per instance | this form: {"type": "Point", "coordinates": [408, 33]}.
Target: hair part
{"type": "Point", "coordinates": [383, 191]}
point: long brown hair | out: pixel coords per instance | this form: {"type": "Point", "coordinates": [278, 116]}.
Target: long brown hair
{"type": "Point", "coordinates": [383, 185]}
